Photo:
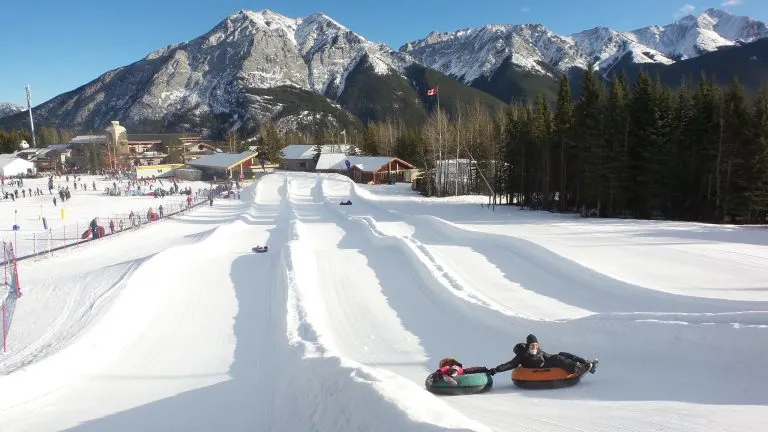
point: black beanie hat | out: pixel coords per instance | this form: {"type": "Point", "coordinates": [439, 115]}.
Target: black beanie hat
{"type": "Point", "coordinates": [531, 339]}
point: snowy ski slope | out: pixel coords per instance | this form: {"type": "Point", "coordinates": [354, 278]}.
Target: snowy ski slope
{"type": "Point", "coordinates": [181, 327]}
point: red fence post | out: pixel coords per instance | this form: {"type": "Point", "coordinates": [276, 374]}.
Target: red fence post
{"type": "Point", "coordinates": [5, 260]}
{"type": "Point", "coordinates": [3, 308]}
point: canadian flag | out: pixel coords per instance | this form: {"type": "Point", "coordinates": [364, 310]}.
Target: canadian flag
{"type": "Point", "coordinates": [432, 91]}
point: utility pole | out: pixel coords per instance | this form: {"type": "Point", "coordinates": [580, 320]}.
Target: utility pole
{"type": "Point", "coordinates": [29, 107]}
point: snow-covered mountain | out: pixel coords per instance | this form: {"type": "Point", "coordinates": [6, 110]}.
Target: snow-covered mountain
{"type": "Point", "coordinates": [474, 53]}
{"type": "Point", "coordinates": [7, 109]}
{"type": "Point", "coordinates": [221, 73]}
{"type": "Point", "coordinates": [313, 71]}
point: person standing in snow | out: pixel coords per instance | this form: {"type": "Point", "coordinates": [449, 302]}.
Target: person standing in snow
{"type": "Point", "coordinates": [94, 229]}
{"type": "Point", "coordinates": [111, 226]}
{"type": "Point", "coordinates": [530, 355]}
{"type": "Point", "coordinates": [160, 210]}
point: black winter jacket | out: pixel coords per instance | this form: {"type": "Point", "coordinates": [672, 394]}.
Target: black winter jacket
{"type": "Point", "coordinates": [525, 359]}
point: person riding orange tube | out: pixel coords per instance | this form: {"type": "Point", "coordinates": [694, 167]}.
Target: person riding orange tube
{"type": "Point", "coordinates": [530, 355]}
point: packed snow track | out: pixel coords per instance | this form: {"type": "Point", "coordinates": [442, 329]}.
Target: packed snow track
{"type": "Point", "coordinates": [337, 325]}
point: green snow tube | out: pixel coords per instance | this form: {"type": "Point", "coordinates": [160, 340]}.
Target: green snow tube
{"type": "Point", "coordinates": [465, 384]}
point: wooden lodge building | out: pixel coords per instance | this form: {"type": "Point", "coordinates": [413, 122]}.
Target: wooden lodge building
{"type": "Point", "coordinates": [366, 169]}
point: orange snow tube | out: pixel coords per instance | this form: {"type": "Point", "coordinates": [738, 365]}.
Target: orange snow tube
{"type": "Point", "coordinates": [543, 378]}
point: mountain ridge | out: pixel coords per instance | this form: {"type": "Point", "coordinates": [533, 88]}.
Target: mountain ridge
{"type": "Point", "coordinates": [525, 45]}
{"type": "Point", "coordinates": [7, 109]}
{"type": "Point", "coordinates": [258, 66]}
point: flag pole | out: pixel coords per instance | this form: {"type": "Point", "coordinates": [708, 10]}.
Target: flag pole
{"type": "Point", "coordinates": [439, 133]}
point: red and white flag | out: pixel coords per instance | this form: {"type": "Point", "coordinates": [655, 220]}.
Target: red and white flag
{"type": "Point", "coordinates": [432, 92]}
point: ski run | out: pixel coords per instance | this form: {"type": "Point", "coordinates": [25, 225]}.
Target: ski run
{"type": "Point", "coordinates": [181, 326]}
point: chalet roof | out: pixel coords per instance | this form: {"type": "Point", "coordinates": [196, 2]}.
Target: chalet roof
{"type": "Point", "coordinates": [144, 142]}
{"type": "Point", "coordinates": [307, 151]}
{"type": "Point", "coordinates": [222, 160]}
{"type": "Point", "coordinates": [88, 139]}
{"type": "Point", "coordinates": [337, 161]}
{"type": "Point", "coordinates": [7, 159]}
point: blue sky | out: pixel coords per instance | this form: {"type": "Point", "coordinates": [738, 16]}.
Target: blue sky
{"type": "Point", "coordinates": [59, 45]}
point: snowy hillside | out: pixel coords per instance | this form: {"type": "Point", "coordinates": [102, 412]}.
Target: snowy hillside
{"type": "Point", "coordinates": [180, 326]}
{"type": "Point", "coordinates": [7, 109]}
{"type": "Point", "coordinates": [474, 53]}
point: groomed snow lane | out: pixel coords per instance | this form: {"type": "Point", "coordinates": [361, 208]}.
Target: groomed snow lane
{"type": "Point", "coordinates": [336, 327]}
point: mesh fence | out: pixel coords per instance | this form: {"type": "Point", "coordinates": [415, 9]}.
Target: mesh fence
{"type": "Point", "coordinates": [10, 289]}
{"type": "Point", "coordinates": [37, 244]}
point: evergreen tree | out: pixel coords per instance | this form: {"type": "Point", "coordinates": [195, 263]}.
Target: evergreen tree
{"type": "Point", "coordinates": [705, 133]}
{"type": "Point", "coordinates": [642, 129]}
{"type": "Point", "coordinates": [660, 152]}
{"type": "Point", "coordinates": [175, 152]}
{"type": "Point", "coordinates": [758, 193]}
{"type": "Point", "coordinates": [740, 151]}
{"type": "Point", "coordinates": [270, 143]}
{"type": "Point", "coordinates": [563, 130]}
{"type": "Point", "coordinates": [680, 160]}
{"type": "Point", "coordinates": [542, 137]}
{"type": "Point", "coordinates": [592, 175]}
{"type": "Point", "coordinates": [369, 145]}
{"type": "Point", "coordinates": [616, 136]}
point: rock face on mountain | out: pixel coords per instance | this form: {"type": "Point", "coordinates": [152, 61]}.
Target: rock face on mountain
{"type": "Point", "coordinates": [313, 72]}
{"type": "Point", "coordinates": [222, 75]}
{"type": "Point", "coordinates": [7, 109]}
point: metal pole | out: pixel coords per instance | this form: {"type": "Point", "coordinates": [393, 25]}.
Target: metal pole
{"type": "Point", "coordinates": [31, 121]}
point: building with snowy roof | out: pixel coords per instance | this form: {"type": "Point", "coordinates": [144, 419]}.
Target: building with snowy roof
{"type": "Point", "coordinates": [11, 165]}
{"type": "Point", "coordinates": [301, 157]}
{"type": "Point", "coordinates": [88, 139]}
{"type": "Point", "coordinates": [366, 169]}
{"type": "Point", "coordinates": [226, 165]}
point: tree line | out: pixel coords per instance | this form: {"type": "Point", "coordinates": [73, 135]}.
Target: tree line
{"type": "Point", "coordinates": [643, 150]}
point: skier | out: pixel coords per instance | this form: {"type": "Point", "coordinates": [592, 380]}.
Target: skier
{"type": "Point", "coordinates": [529, 355]}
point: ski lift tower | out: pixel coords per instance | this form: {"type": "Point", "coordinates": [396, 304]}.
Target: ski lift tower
{"type": "Point", "coordinates": [31, 121]}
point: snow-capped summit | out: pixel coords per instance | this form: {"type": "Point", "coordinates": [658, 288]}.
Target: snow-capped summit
{"type": "Point", "coordinates": [246, 52]}
{"type": "Point", "coordinates": [473, 53]}
{"type": "Point", "coordinates": [255, 65]}
{"type": "Point", "coordinates": [692, 35]}
{"type": "Point", "coordinates": [7, 109]}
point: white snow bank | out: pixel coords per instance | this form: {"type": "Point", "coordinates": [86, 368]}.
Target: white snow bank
{"type": "Point", "coordinates": [337, 326]}
{"type": "Point", "coordinates": [689, 259]}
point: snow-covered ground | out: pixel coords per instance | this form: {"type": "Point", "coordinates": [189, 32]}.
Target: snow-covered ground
{"type": "Point", "coordinates": [28, 212]}
{"type": "Point", "coordinates": [180, 326]}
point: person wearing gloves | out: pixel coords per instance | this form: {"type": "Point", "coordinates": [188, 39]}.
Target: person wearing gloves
{"type": "Point", "coordinates": [530, 355]}
{"type": "Point", "coordinates": [449, 369]}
